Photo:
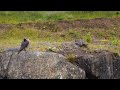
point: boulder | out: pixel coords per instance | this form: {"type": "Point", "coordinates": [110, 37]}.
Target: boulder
{"type": "Point", "coordinates": [100, 65]}
{"type": "Point", "coordinates": [37, 65]}
{"type": "Point", "coordinates": [116, 68]}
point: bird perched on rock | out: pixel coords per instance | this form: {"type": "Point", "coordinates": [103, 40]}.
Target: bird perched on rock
{"type": "Point", "coordinates": [80, 43]}
{"type": "Point", "coordinates": [24, 44]}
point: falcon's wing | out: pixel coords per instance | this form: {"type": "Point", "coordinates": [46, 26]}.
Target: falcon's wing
{"type": "Point", "coordinates": [23, 45]}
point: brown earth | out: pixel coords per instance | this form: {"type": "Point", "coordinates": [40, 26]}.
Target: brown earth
{"type": "Point", "coordinates": [103, 23]}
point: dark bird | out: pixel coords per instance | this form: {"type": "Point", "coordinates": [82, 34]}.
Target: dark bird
{"type": "Point", "coordinates": [24, 45]}
{"type": "Point", "coordinates": [80, 43]}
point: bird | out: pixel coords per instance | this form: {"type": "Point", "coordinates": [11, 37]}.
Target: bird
{"type": "Point", "coordinates": [80, 43]}
{"type": "Point", "coordinates": [24, 45]}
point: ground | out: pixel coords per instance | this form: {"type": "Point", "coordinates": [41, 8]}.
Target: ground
{"type": "Point", "coordinates": [99, 33]}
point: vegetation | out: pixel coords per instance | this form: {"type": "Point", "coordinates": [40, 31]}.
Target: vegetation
{"type": "Point", "coordinates": [71, 57]}
{"type": "Point", "coordinates": [15, 17]}
{"type": "Point", "coordinates": [48, 30]}
{"type": "Point", "coordinates": [115, 41]}
{"type": "Point", "coordinates": [88, 37]}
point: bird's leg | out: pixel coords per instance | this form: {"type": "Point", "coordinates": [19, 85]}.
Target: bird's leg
{"type": "Point", "coordinates": [25, 50]}
{"type": "Point", "coordinates": [19, 51]}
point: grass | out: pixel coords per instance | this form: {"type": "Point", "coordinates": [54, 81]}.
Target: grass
{"type": "Point", "coordinates": [12, 38]}
{"type": "Point", "coordinates": [108, 39]}
{"type": "Point", "coordinates": [15, 17]}
{"type": "Point", "coordinates": [88, 37]}
{"type": "Point", "coordinates": [115, 41]}
{"type": "Point", "coordinates": [111, 48]}
{"type": "Point", "coordinates": [71, 57]}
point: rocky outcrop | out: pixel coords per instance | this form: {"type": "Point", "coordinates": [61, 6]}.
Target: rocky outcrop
{"type": "Point", "coordinates": [37, 65]}
{"type": "Point", "coordinates": [100, 65]}
{"type": "Point", "coordinates": [116, 68]}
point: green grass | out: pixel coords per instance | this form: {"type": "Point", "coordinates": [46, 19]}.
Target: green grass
{"type": "Point", "coordinates": [52, 33]}
{"type": "Point", "coordinates": [71, 57]}
{"type": "Point", "coordinates": [15, 35]}
{"type": "Point", "coordinates": [19, 34]}
{"type": "Point", "coordinates": [111, 48]}
{"type": "Point", "coordinates": [115, 41]}
{"type": "Point", "coordinates": [15, 17]}
{"type": "Point", "coordinates": [88, 37]}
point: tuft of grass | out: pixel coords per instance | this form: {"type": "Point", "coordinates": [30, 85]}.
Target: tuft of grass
{"type": "Point", "coordinates": [71, 57]}
{"type": "Point", "coordinates": [114, 41]}
{"type": "Point", "coordinates": [88, 37]}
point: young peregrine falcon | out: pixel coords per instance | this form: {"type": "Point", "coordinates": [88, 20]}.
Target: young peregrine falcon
{"type": "Point", "coordinates": [24, 45]}
{"type": "Point", "coordinates": [81, 43]}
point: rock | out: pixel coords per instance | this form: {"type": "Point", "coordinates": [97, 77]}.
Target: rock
{"type": "Point", "coordinates": [37, 65]}
{"type": "Point", "coordinates": [116, 68]}
{"type": "Point", "coordinates": [100, 65]}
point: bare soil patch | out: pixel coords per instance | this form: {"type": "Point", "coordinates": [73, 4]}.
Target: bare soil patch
{"type": "Point", "coordinates": [103, 23]}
